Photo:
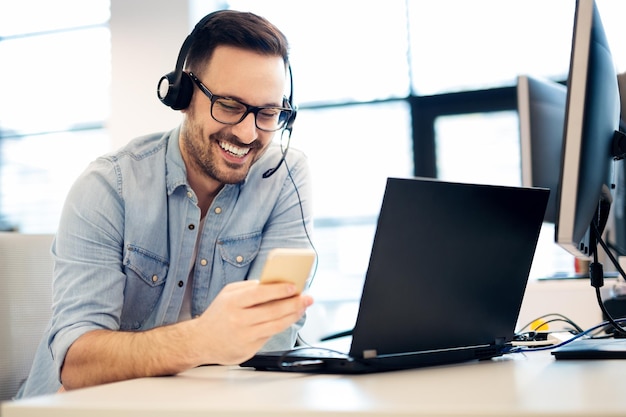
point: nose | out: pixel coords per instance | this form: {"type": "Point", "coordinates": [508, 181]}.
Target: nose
{"type": "Point", "coordinates": [246, 130]}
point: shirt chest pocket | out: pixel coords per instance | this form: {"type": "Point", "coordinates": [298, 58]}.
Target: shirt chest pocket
{"type": "Point", "coordinates": [236, 255]}
{"type": "Point", "coordinates": [146, 274]}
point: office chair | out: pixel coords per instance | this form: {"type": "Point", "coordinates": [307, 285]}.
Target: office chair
{"type": "Point", "coordinates": [25, 304]}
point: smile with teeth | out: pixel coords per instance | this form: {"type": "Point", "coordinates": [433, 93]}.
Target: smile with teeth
{"type": "Point", "coordinates": [237, 151]}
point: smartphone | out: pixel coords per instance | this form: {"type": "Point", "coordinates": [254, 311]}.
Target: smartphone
{"type": "Point", "coordinates": [288, 265]}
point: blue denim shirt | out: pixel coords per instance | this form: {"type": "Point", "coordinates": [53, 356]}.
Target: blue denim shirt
{"type": "Point", "coordinates": [125, 244]}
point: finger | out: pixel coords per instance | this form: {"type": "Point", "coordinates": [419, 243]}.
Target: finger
{"type": "Point", "coordinates": [265, 330]}
{"type": "Point", "coordinates": [291, 309]}
{"type": "Point", "coordinates": [253, 293]}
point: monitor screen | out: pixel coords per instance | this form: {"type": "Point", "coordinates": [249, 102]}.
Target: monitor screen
{"type": "Point", "coordinates": [591, 118]}
{"type": "Point", "coordinates": [541, 109]}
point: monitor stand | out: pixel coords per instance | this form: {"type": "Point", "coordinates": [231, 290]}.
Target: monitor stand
{"type": "Point", "coordinates": [612, 347]}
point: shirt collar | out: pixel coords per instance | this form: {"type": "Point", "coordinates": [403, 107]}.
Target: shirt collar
{"type": "Point", "coordinates": [175, 171]}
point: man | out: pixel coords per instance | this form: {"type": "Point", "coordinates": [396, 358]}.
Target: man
{"type": "Point", "coordinates": [178, 225]}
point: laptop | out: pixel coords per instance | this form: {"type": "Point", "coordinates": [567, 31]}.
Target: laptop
{"type": "Point", "coordinates": [445, 281]}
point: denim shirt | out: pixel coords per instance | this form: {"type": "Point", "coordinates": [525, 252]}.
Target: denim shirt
{"type": "Point", "coordinates": [125, 244]}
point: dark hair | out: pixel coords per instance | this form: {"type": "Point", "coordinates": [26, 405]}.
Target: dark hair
{"type": "Point", "coordinates": [239, 29]}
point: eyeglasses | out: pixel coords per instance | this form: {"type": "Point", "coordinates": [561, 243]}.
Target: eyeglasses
{"type": "Point", "coordinates": [230, 111]}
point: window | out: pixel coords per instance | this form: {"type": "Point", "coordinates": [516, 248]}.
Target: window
{"type": "Point", "coordinates": [410, 87]}
{"type": "Point", "coordinates": [385, 88]}
{"type": "Point", "coordinates": [350, 68]}
{"type": "Point", "coordinates": [480, 143]}
{"type": "Point", "coordinates": [459, 45]}
{"type": "Point", "coordinates": [53, 107]}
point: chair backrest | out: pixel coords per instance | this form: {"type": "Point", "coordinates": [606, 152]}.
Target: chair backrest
{"type": "Point", "coordinates": [25, 304]}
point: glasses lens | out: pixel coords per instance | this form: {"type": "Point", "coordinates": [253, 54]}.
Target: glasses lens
{"type": "Point", "coordinates": [271, 119]}
{"type": "Point", "coordinates": [230, 111]}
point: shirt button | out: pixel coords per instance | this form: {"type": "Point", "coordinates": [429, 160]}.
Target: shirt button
{"type": "Point", "coordinates": [189, 194]}
{"type": "Point", "coordinates": [239, 259]}
{"type": "Point", "coordinates": [203, 262]}
{"type": "Point", "coordinates": [155, 278]}
{"type": "Point", "coordinates": [218, 210]}
{"type": "Point", "coordinates": [191, 226]}
{"type": "Point", "coordinates": [180, 284]}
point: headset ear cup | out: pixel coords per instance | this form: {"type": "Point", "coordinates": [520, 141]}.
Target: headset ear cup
{"type": "Point", "coordinates": [185, 92]}
{"type": "Point", "coordinates": [166, 89]}
{"type": "Point", "coordinates": [176, 95]}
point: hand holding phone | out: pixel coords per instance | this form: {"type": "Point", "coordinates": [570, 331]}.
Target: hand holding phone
{"type": "Point", "coordinates": [288, 265]}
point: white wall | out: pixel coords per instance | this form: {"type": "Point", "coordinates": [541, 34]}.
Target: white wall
{"type": "Point", "coordinates": [573, 298]}
{"type": "Point", "coordinates": [146, 36]}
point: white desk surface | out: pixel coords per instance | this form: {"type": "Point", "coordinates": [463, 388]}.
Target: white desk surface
{"type": "Point", "coordinates": [514, 385]}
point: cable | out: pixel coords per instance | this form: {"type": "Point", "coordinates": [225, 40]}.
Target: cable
{"type": "Point", "coordinates": [299, 340]}
{"type": "Point", "coordinates": [306, 231]}
{"type": "Point", "coordinates": [337, 335]}
{"type": "Point", "coordinates": [522, 349]}
{"type": "Point", "coordinates": [561, 317]}
{"type": "Point", "coordinates": [606, 249]}
{"type": "Point", "coordinates": [310, 361]}
{"type": "Point", "coordinates": [597, 278]}
{"type": "Point", "coordinates": [535, 337]}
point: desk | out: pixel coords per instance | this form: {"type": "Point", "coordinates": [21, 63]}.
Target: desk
{"type": "Point", "coordinates": [514, 385]}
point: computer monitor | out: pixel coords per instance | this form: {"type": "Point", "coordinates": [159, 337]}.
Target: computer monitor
{"type": "Point", "coordinates": [541, 110]}
{"type": "Point", "coordinates": [591, 119]}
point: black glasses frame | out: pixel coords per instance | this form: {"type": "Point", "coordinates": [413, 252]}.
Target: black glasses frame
{"type": "Point", "coordinates": [282, 122]}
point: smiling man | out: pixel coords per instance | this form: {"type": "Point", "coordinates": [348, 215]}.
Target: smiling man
{"type": "Point", "coordinates": [160, 243]}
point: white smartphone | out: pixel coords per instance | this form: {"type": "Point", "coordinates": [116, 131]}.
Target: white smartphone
{"type": "Point", "coordinates": [288, 265]}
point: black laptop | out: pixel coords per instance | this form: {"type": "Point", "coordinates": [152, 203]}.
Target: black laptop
{"type": "Point", "coordinates": [446, 277]}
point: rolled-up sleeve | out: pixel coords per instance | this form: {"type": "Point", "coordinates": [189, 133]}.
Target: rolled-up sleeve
{"type": "Point", "coordinates": [88, 282]}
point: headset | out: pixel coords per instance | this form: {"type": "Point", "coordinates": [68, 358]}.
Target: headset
{"type": "Point", "coordinates": [175, 89]}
